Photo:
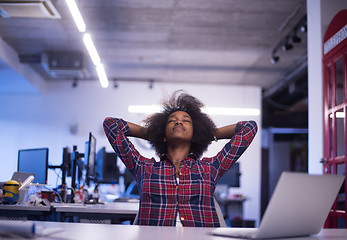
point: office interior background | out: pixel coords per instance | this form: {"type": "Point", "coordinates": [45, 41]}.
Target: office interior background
{"type": "Point", "coordinates": [147, 55]}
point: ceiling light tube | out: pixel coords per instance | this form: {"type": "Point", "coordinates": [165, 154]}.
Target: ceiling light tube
{"type": "Point", "coordinates": [87, 39]}
{"type": "Point", "coordinates": [102, 75]}
{"type": "Point", "coordinates": [75, 12]}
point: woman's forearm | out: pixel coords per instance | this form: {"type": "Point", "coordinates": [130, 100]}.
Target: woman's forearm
{"type": "Point", "coordinates": [137, 131]}
{"type": "Point", "coordinates": [226, 132]}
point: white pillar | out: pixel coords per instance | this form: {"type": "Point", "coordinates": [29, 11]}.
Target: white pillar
{"type": "Point", "coordinates": [315, 86]}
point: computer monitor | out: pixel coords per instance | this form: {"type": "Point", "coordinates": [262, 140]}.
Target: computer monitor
{"type": "Point", "coordinates": [67, 161]}
{"type": "Point", "coordinates": [34, 161]}
{"type": "Point", "coordinates": [90, 156]}
{"type": "Point", "coordinates": [231, 177]}
{"type": "Point", "coordinates": [106, 169]}
{"type": "Point", "coordinates": [77, 167]}
{"type": "Point", "coordinates": [66, 165]}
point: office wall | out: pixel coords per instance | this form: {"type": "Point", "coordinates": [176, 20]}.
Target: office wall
{"type": "Point", "coordinates": [46, 120]}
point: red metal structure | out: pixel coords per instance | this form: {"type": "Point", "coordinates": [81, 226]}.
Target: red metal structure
{"type": "Point", "coordinates": [335, 112]}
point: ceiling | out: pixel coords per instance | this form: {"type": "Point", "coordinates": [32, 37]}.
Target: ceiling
{"type": "Point", "coordinates": [193, 41]}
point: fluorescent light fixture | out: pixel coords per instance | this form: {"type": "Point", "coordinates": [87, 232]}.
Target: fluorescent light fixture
{"type": "Point", "coordinates": [87, 39]}
{"type": "Point", "coordinates": [88, 42]}
{"type": "Point", "coordinates": [75, 12]}
{"type": "Point", "coordinates": [102, 75]}
{"type": "Point", "coordinates": [150, 109]}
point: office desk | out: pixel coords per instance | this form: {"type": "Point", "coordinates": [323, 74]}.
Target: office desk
{"type": "Point", "coordinates": [108, 213]}
{"type": "Point", "coordinates": [25, 212]}
{"type": "Point", "coordinates": [130, 232]}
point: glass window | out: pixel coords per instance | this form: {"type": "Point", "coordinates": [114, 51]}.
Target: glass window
{"type": "Point", "coordinates": [339, 81]}
{"type": "Point", "coordinates": [330, 76]}
{"type": "Point", "coordinates": [331, 135]}
{"type": "Point", "coordinates": [340, 197]}
{"type": "Point", "coordinates": [341, 223]}
{"type": "Point", "coordinates": [340, 132]}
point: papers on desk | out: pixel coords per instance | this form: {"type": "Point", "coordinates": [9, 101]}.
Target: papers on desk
{"type": "Point", "coordinates": [17, 228]}
{"type": "Point", "coordinates": [25, 229]}
{"type": "Point", "coordinates": [42, 231]}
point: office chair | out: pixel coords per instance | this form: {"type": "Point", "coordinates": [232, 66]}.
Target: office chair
{"type": "Point", "coordinates": [219, 213]}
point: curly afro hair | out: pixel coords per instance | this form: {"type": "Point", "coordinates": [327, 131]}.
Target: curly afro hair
{"type": "Point", "coordinates": [204, 129]}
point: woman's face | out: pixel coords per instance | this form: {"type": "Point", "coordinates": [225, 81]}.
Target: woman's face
{"type": "Point", "coordinates": [179, 126]}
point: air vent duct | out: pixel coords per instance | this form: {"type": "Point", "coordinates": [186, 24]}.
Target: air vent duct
{"type": "Point", "coordinates": [63, 65]}
{"type": "Point", "coordinates": [28, 9]}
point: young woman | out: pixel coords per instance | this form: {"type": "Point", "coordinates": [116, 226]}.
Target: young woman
{"type": "Point", "coordinates": [178, 189]}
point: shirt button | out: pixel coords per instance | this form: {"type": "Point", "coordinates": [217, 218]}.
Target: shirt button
{"type": "Point", "coordinates": [176, 203]}
{"type": "Point", "coordinates": [180, 173]}
{"type": "Point", "coordinates": [182, 218]}
{"type": "Point", "coordinates": [176, 187]}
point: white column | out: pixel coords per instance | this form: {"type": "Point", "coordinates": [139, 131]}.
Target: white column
{"type": "Point", "coordinates": [315, 86]}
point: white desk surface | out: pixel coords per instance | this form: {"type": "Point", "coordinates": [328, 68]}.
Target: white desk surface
{"type": "Point", "coordinates": [114, 207]}
{"type": "Point", "coordinates": [86, 231]}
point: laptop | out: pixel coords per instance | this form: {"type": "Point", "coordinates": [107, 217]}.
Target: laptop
{"type": "Point", "coordinates": [21, 176]}
{"type": "Point", "coordinates": [299, 206]}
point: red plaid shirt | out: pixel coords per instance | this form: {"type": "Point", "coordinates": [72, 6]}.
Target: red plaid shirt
{"type": "Point", "coordinates": [161, 197]}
